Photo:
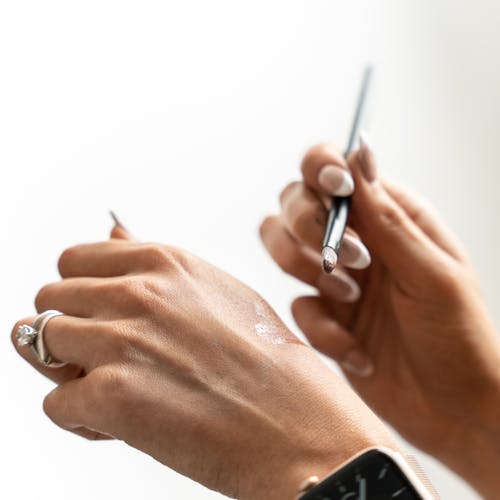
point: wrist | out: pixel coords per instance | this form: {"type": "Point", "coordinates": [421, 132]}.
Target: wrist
{"type": "Point", "coordinates": [289, 474]}
{"type": "Point", "coordinates": [333, 427]}
{"type": "Point", "coordinates": [328, 450]}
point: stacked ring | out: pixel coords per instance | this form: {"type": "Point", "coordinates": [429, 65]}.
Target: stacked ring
{"type": "Point", "coordinates": [33, 336]}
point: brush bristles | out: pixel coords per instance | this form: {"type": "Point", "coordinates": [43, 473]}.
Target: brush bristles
{"type": "Point", "coordinates": [329, 260]}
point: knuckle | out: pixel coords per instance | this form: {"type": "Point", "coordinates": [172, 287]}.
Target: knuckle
{"type": "Point", "coordinates": [127, 290]}
{"type": "Point", "coordinates": [135, 294]}
{"type": "Point", "coordinates": [114, 381]}
{"type": "Point", "coordinates": [178, 257]}
{"type": "Point", "coordinates": [119, 294]}
{"type": "Point", "coordinates": [117, 343]}
{"type": "Point", "coordinates": [155, 256]}
{"type": "Point", "coordinates": [154, 289]}
{"type": "Point", "coordinates": [391, 216]}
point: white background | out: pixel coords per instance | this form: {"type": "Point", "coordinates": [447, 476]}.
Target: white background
{"type": "Point", "coordinates": [187, 118]}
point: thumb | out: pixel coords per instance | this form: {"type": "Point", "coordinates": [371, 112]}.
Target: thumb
{"type": "Point", "coordinates": [119, 231]}
{"type": "Point", "coordinates": [390, 234]}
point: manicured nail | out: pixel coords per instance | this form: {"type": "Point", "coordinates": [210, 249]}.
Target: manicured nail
{"type": "Point", "coordinates": [117, 221]}
{"type": "Point", "coordinates": [339, 286]}
{"type": "Point", "coordinates": [354, 254]}
{"type": "Point", "coordinates": [357, 363]}
{"type": "Point", "coordinates": [368, 166]}
{"type": "Point", "coordinates": [336, 181]}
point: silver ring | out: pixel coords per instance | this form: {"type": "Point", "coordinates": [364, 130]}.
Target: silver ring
{"type": "Point", "coordinates": [33, 336]}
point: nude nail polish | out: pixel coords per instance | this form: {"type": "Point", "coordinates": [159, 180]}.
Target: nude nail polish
{"type": "Point", "coordinates": [367, 163]}
{"type": "Point", "coordinates": [354, 254]}
{"type": "Point", "coordinates": [336, 181]}
{"type": "Point", "coordinates": [357, 363]}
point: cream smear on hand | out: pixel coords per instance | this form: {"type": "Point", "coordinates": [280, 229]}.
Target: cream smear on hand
{"type": "Point", "coordinates": [266, 328]}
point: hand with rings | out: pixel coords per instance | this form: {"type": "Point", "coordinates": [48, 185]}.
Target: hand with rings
{"type": "Point", "coordinates": [187, 364]}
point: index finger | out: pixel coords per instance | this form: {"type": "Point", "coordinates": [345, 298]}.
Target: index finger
{"type": "Point", "coordinates": [314, 163]}
{"type": "Point", "coordinates": [105, 259]}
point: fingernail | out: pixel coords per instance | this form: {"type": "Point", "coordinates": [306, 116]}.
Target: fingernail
{"type": "Point", "coordinates": [336, 181]}
{"type": "Point", "coordinates": [354, 254]}
{"type": "Point", "coordinates": [368, 166]}
{"type": "Point", "coordinates": [117, 220]}
{"type": "Point", "coordinates": [357, 363]}
{"type": "Point", "coordinates": [339, 286]}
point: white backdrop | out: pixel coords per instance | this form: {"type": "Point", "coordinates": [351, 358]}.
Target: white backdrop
{"type": "Point", "coordinates": [194, 113]}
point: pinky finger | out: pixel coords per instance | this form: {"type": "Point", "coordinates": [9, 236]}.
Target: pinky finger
{"type": "Point", "coordinates": [330, 337]}
{"type": "Point", "coordinates": [66, 407]}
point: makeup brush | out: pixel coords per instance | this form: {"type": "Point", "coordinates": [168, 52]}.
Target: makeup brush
{"type": "Point", "coordinates": [337, 215]}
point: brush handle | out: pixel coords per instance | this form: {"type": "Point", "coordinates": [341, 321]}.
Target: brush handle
{"type": "Point", "coordinates": [337, 222]}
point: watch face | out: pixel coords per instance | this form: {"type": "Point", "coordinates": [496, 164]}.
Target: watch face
{"type": "Point", "coordinates": [371, 476]}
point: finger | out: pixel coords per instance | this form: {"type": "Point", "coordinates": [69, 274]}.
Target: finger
{"type": "Point", "coordinates": [71, 406]}
{"type": "Point", "coordinates": [304, 214]}
{"type": "Point", "coordinates": [425, 216]}
{"type": "Point", "coordinates": [325, 171]}
{"type": "Point", "coordinates": [104, 259]}
{"type": "Point", "coordinates": [76, 340]}
{"type": "Point", "coordinates": [389, 232]}
{"type": "Point", "coordinates": [58, 375]}
{"type": "Point", "coordinates": [80, 297]}
{"type": "Point", "coordinates": [304, 264]}
{"type": "Point", "coordinates": [353, 253]}
{"type": "Point", "coordinates": [304, 217]}
{"type": "Point", "coordinates": [73, 340]}
{"type": "Point", "coordinates": [342, 287]}
{"type": "Point", "coordinates": [328, 336]}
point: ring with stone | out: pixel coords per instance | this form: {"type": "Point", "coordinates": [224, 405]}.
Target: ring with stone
{"type": "Point", "coordinates": [33, 336]}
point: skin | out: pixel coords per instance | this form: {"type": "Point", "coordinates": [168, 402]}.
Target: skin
{"type": "Point", "coordinates": [427, 353]}
{"type": "Point", "coordinates": [187, 364]}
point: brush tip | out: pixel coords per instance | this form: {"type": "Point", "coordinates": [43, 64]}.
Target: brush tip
{"type": "Point", "coordinates": [116, 220]}
{"type": "Point", "coordinates": [329, 260]}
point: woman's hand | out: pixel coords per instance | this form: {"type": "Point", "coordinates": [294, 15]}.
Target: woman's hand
{"type": "Point", "coordinates": [411, 331]}
{"type": "Point", "coordinates": [187, 364]}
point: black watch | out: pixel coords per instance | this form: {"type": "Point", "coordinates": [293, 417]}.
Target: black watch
{"type": "Point", "coordinates": [374, 474]}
